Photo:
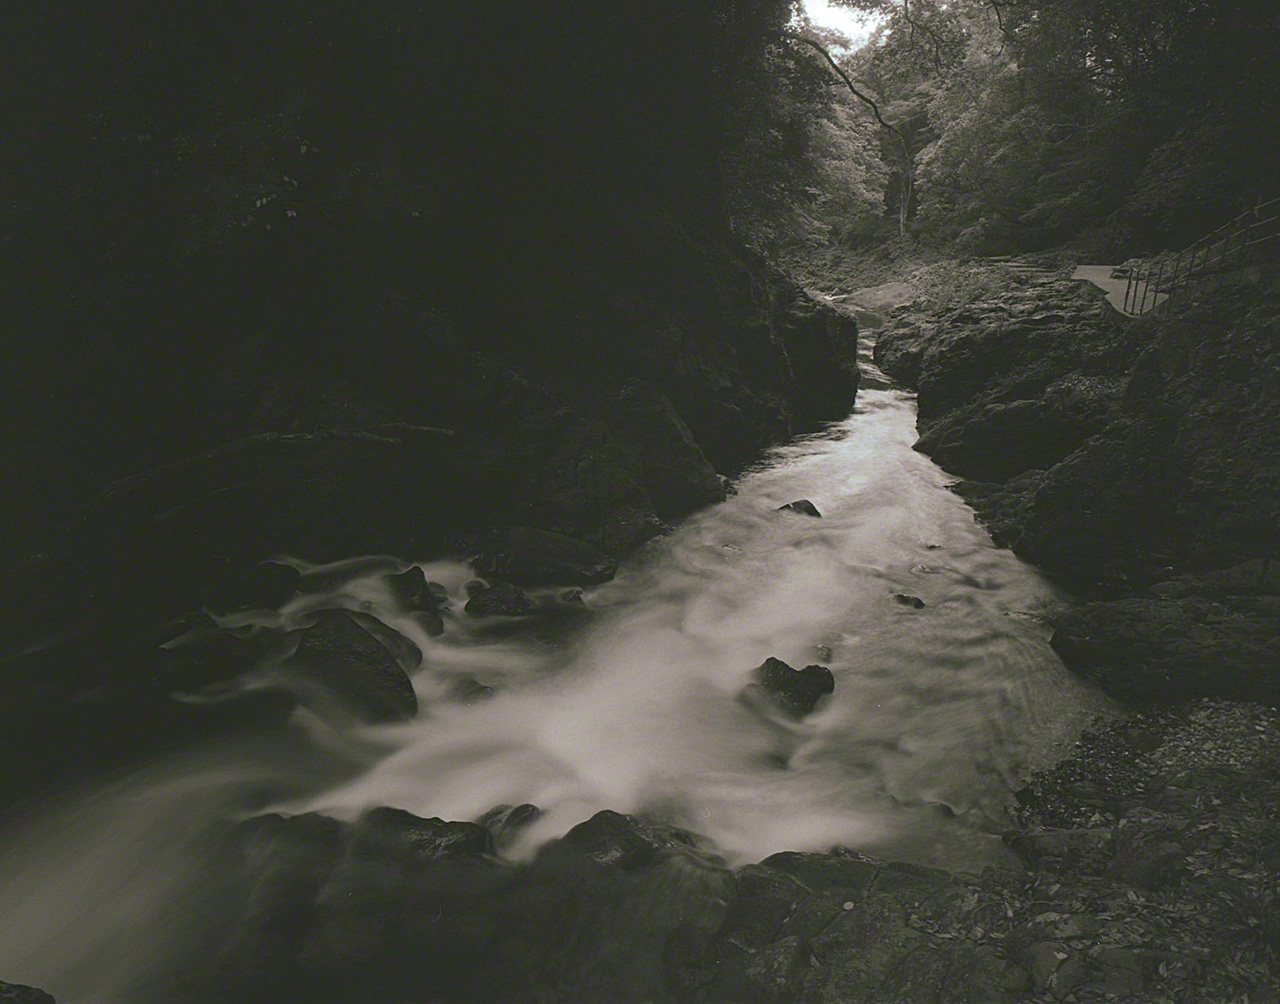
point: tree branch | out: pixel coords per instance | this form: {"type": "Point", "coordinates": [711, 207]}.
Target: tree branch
{"type": "Point", "coordinates": [850, 84]}
{"type": "Point", "coordinates": [933, 35]}
{"type": "Point", "coordinates": [907, 181]}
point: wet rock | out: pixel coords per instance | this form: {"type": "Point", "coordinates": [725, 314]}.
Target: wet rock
{"type": "Point", "coordinates": [428, 839]}
{"type": "Point", "coordinates": [267, 584]}
{"type": "Point", "coordinates": [17, 993]}
{"type": "Point", "coordinates": [1082, 848]}
{"type": "Point", "coordinates": [503, 599]}
{"type": "Point", "coordinates": [415, 596]}
{"type": "Point", "coordinates": [612, 838]}
{"type": "Point", "coordinates": [872, 954]}
{"type": "Point", "coordinates": [405, 652]}
{"type": "Point", "coordinates": [1071, 975]}
{"type": "Point", "coordinates": [908, 600]}
{"type": "Point", "coordinates": [795, 692]}
{"type": "Point", "coordinates": [1145, 648]}
{"type": "Point", "coordinates": [849, 871]}
{"type": "Point", "coordinates": [1121, 971]}
{"type": "Point", "coordinates": [1043, 960]}
{"type": "Point", "coordinates": [803, 506]}
{"type": "Point", "coordinates": [900, 349]}
{"type": "Point", "coordinates": [468, 690]}
{"type": "Point", "coordinates": [762, 901]}
{"type": "Point", "coordinates": [672, 468]}
{"type": "Point", "coordinates": [997, 440]}
{"type": "Point", "coordinates": [506, 821]}
{"type": "Point", "coordinates": [342, 656]}
{"type": "Point", "coordinates": [282, 864]}
{"type": "Point", "coordinates": [529, 556]}
{"type": "Point", "coordinates": [769, 974]}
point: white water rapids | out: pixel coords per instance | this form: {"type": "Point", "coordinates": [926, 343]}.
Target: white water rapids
{"type": "Point", "coordinates": [936, 715]}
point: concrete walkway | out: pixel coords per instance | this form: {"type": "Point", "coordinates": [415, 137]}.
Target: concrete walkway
{"type": "Point", "coordinates": [1100, 276]}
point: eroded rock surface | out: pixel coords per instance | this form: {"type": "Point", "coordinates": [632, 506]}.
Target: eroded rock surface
{"type": "Point", "coordinates": [1137, 460]}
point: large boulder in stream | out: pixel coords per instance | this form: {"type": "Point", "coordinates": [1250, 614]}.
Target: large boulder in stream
{"type": "Point", "coordinates": [346, 659]}
{"type": "Point", "coordinates": [802, 506]}
{"type": "Point", "coordinates": [413, 593]}
{"type": "Point", "coordinates": [501, 600]}
{"type": "Point", "coordinates": [794, 692]}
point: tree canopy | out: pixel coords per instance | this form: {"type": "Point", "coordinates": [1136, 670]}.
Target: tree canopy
{"type": "Point", "coordinates": [1018, 124]}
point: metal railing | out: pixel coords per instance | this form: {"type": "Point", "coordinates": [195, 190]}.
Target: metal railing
{"type": "Point", "coordinates": [1245, 237]}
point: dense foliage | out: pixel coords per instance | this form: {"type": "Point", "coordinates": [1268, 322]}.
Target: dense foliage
{"type": "Point", "coordinates": [1022, 124]}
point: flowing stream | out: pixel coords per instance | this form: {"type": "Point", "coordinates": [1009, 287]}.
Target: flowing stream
{"type": "Point", "coordinates": [633, 705]}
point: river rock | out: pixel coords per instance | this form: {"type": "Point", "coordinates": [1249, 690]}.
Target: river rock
{"type": "Point", "coordinates": [672, 467]}
{"type": "Point", "coordinates": [612, 838]}
{"type": "Point", "coordinates": [429, 839]}
{"type": "Point", "coordinates": [415, 596]}
{"type": "Point", "coordinates": [803, 506]}
{"type": "Point", "coordinates": [344, 657]}
{"type": "Point", "coordinates": [529, 556]}
{"type": "Point", "coordinates": [503, 599]}
{"type": "Point", "coordinates": [506, 821]}
{"type": "Point", "coordinates": [795, 692]}
{"type": "Point", "coordinates": [404, 651]}
{"type": "Point", "coordinates": [908, 600]}
{"type": "Point", "coordinates": [17, 993]}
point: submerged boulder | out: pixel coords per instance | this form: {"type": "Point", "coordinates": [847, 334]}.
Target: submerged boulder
{"type": "Point", "coordinates": [414, 594]}
{"type": "Point", "coordinates": [503, 599]}
{"type": "Point", "coordinates": [794, 692]}
{"type": "Point", "coordinates": [341, 655]}
{"type": "Point", "coordinates": [801, 506]}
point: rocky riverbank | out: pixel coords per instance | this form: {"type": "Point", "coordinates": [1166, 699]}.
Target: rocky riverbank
{"type": "Point", "coordinates": [1136, 460]}
{"type": "Point", "coordinates": [577, 475]}
{"type": "Point", "coordinates": [1143, 867]}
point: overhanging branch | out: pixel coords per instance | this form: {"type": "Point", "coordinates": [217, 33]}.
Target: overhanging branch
{"type": "Point", "coordinates": [849, 83]}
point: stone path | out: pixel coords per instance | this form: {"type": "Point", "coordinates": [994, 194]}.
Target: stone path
{"type": "Point", "coordinates": [1100, 276]}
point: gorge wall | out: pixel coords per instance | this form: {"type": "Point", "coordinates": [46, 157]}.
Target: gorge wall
{"type": "Point", "coordinates": [1134, 459]}
{"type": "Point", "coordinates": [298, 280]}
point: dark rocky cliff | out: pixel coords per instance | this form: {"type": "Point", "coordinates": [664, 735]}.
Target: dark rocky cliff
{"type": "Point", "coordinates": [1134, 459]}
{"type": "Point", "coordinates": [301, 280]}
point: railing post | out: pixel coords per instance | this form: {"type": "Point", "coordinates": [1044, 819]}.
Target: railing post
{"type": "Point", "coordinates": [1155, 296]}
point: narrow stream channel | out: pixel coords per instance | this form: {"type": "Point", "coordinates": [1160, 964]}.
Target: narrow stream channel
{"type": "Point", "coordinates": [938, 710]}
